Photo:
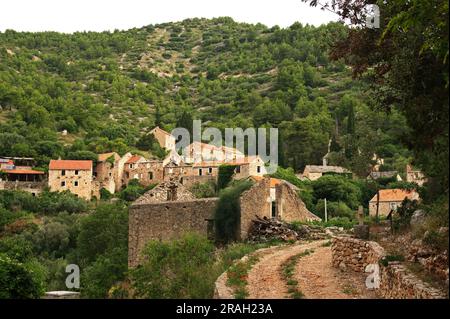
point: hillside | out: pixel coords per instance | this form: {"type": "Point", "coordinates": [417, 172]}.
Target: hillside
{"type": "Point", "coordinates": [108, 89]}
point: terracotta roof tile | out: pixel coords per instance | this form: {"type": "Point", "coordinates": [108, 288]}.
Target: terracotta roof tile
{"type": "Point", "coordinates": [22, 171]}
{"type": "Point", "coordinates": [70, 164]}
{"type": "Point", "coordinates": [394, 195]}
{"type": "Point", "coordinates": [133, 159]}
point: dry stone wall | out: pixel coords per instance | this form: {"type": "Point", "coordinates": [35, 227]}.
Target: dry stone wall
{"type": "Point", "coordinates": [396, 281]}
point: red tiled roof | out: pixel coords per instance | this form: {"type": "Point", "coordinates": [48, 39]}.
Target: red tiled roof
{"type": "Point", "coordinates": [70, 164]}
{"type": "Point", "coordinates": [393, 195]}
{"type": "Point", "coordinates": [22, 171]}
{"type": "Point", "coordinates": [133, 159]}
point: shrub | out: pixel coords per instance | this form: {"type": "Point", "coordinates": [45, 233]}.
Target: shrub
{"type": "Point", "coordinates": [334, 209]}
{"type": "Point", "coordinates": [225, 174]}
{"type": "Point", "coordinates": [103, 230]}
{"type": "Point", "coordinates": [19, 280]}
{"type": "Point", "coordinates": [203, 190]}
{"type": "Point", "coordinates": [228, 211]}
{"type": "Point", "coordinates": [181, 268]}
{"type": "Point", "coordinates": [104, 272]}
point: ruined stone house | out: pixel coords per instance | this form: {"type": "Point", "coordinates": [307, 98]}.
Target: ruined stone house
{"type": "Point", "coordinates": [314, 172]}
{"type": "Point", "coordinates": [272, 198]}
{"type": "Point", "coordinates": [165, 139]}
{"type": "Point", "coordinates": [169, 210]}
{"type": "Point", "coordinates": [166, 212]}
{"type": "Point", "coordinates": [415, 176]}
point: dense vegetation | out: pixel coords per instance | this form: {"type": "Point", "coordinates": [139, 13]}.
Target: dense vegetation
{"type": "Point", "coordinates": [108, 89]}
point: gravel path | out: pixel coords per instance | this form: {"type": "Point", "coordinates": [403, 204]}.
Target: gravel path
{"type": "Point", "coordinates": [314, 273]}
{"type": "Point", "coordinates": [317, 279]}
{"type": "Point", "coordinates": [264, 279]}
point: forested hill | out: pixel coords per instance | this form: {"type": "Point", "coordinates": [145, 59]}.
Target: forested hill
{"type": "Point", "coordinates": [108, 89]}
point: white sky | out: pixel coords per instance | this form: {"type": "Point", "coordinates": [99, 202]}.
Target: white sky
{"type": "Point", "coordinates": [101, 15]}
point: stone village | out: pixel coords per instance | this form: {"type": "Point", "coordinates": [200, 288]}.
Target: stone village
{"type": "Point", "coordinates": [170, 209]}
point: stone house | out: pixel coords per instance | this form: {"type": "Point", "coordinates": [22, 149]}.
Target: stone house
{"type": "Point", "coordinates": [23, 178]}
{"type": "Point", "coordinates": [374, 175]}
{"type": "Point", "coordinates": [202, 152]}
{"type": "Point", "coordinates": [272, 198]}
{"type": "Point", "coordinates": [165, 139]}
{"type": "Point", "coordinates": [248, 166]}
{"type": "Point", "coordinates": [75, 176]}
{"type": "Point", "coordinates": [415, 176]}
{"type": "Point", "coordinates": [390, 199]}
{"type": "Point", "coordinates": [147, 172]}
{"type": "Point", "coordinates": [314, 172]}
{"type": "Point", "coordinates": [106, 172]}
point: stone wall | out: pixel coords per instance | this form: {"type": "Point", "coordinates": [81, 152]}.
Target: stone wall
{"type": "Point", "coordinates": [395, 279]}
{"type": "Point", "coordinates": [354, 254]}
{"type": "Point", "coordinates": [254, 201]}
{"type": "Point", "coordinates": [399, 283]}
{"type": "Point", "coordinates": [34, 188]}
{"type": "Point", "coordinates": [165, 221]}
{"type": "Point", "coordinates": [289, 205]}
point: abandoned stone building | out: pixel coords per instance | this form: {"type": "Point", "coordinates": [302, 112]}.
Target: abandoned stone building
{"type": "Point", "coordinates": [272, 198]}
{"type": "Point", "coordinates": [106, 171]}
{"type": "Point", "coordinates": [75, 176]}
{"type": "Point", "coordinates": [165, 139]}
{"type": "Point", "coordinates": [169, 210]}
{"type": "Point", "coordinates": [314, 172]}
{"type": "Point", "coordinates": [415, 176]}
{"type": "Point", "coordinates": [147, 172]}
{"type": "Point", "coordinates": [166, 212]}
{"type": "Point", "coordinates": [389, 200]}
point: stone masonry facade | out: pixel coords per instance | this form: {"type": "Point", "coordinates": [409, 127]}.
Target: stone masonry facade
{"type": "Point", "coordinates": [166, 220]}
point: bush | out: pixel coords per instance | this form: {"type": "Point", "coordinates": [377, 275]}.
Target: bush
{"type": "Point", "coordinates": [104, 272]}
{"type": "Point", "coordinates": [19, 280]}
{"type": "Point", "coordinates": [203, 190]}
{"type": "Point", "coordinates": [103, 230]}
{"type": "Point", "coordinates": [228, 211]}
{"type": "Point", "coordinates": [225, 174]}
{"type": "Point", "coordinates": [337, 189]}
{"type": "Point", "coordinates": [133, 191]}
{"type": "Point", "coordinates": [181, 268]}
{"type": "Point", "coordinates": [334, 209]}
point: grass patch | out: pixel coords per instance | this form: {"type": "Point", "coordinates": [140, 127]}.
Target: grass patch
{"type": "Point", "coordinates": [288, 271]}
{"type": "Point", "coordinates": [238, 275]}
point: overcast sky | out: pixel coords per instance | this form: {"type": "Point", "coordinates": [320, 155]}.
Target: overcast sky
{"type": "Point", "coordinates": [101, 15]}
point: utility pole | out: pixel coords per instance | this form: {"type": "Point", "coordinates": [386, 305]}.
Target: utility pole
{"type": "Point", "coordinates": [326, 213]}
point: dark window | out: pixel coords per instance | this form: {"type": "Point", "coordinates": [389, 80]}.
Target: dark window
{"type": "Point", "coordinates": [75, 183]}
{"type": "Point", "coordinates": [63, 184]}
{"type": "Point", "coordinates": [63, 172]}
{"type": "Point", "coordinates": [258, 169]}
{"type": "Point", "coordinates": [200, 172]}
{"type": "Point", "coordinates": [210, 170]}
{"type": "Point", "coordinates": [238, 169]}
{"type": "Point", "coordinates": [150, 175]}
{"type": "Point", "coordinates": [76, 172]}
